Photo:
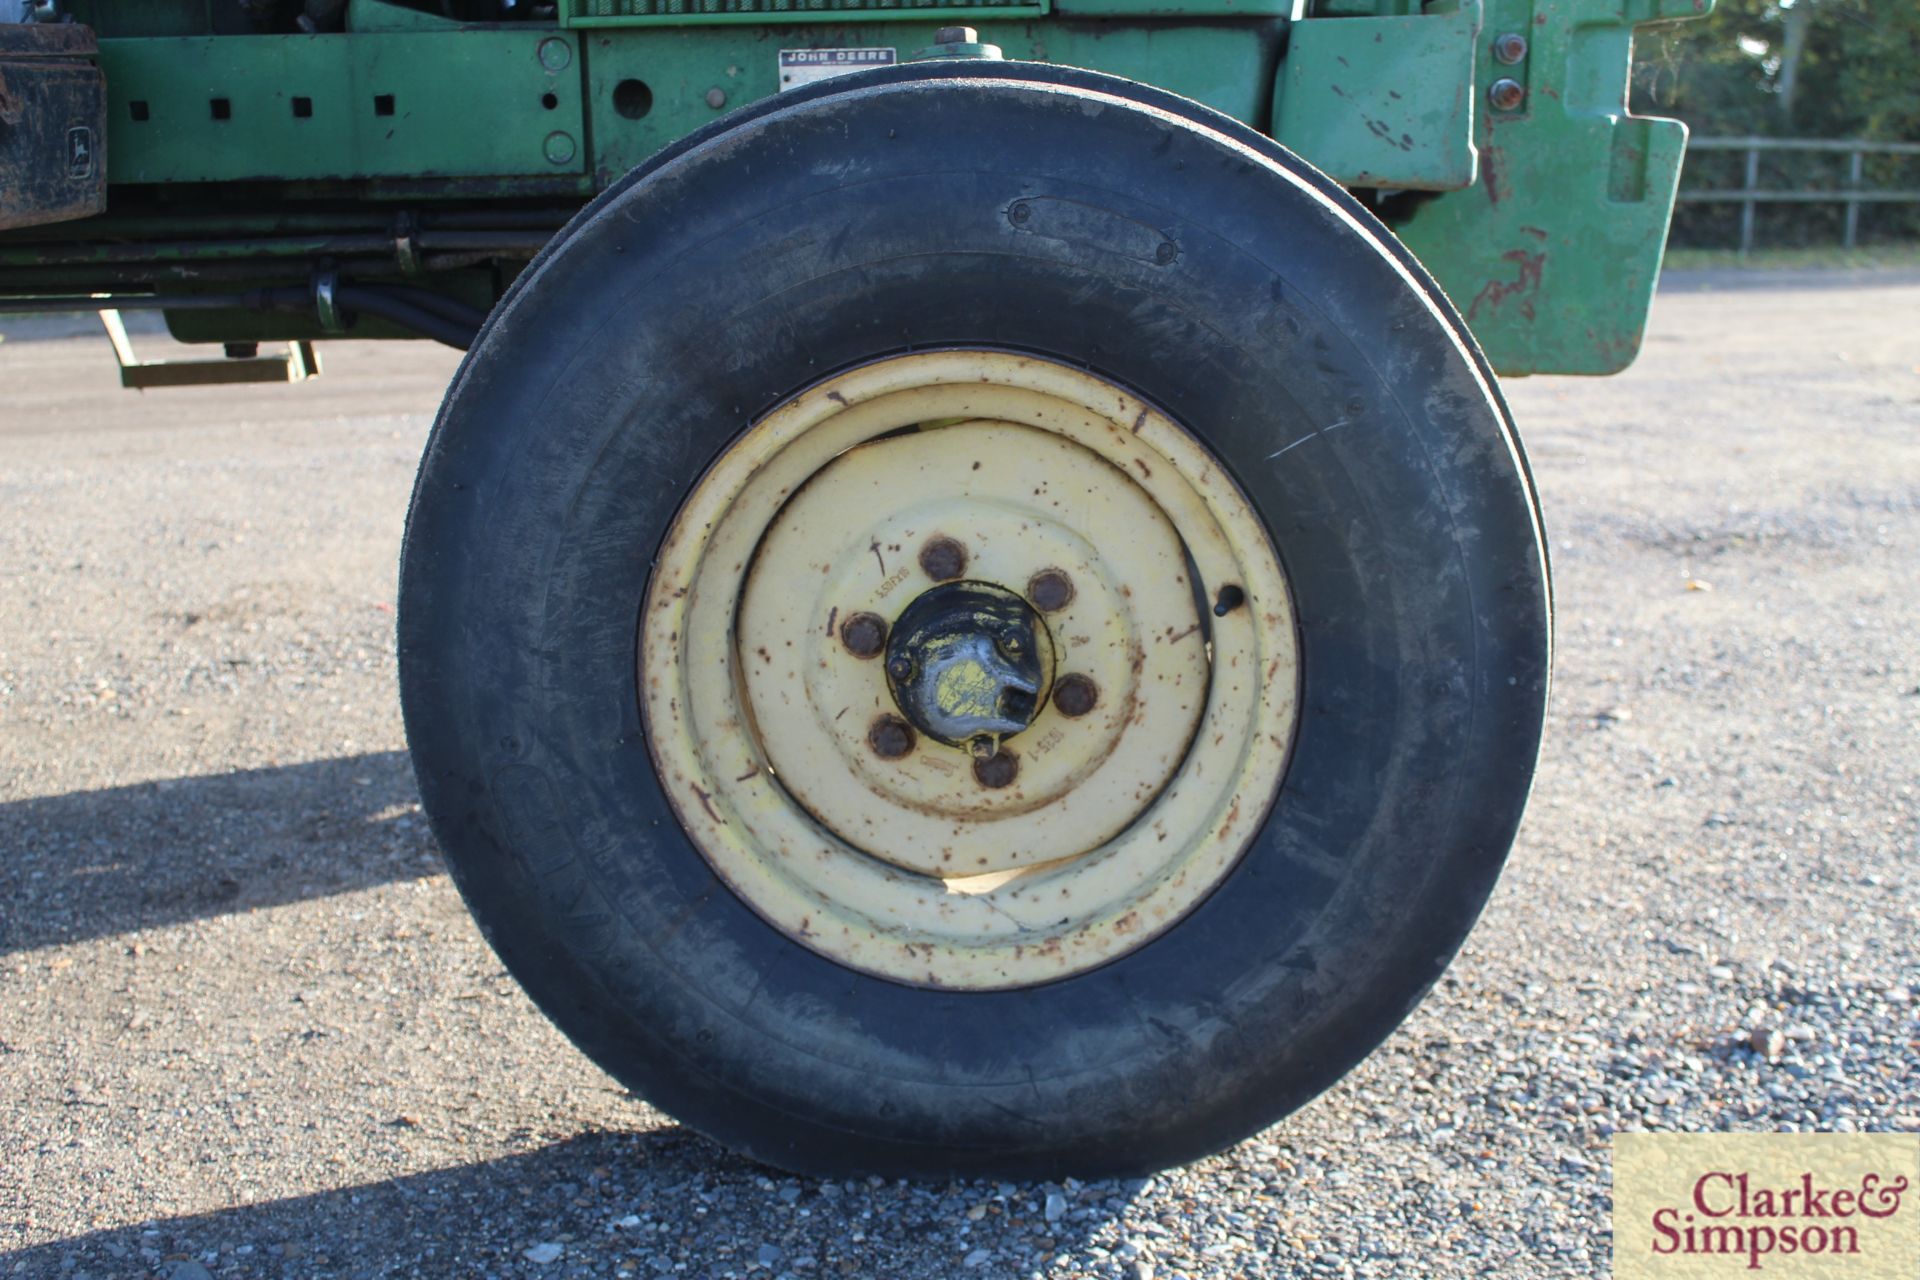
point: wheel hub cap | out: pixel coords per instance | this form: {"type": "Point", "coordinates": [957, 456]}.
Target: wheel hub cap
{"type": "Point", "coordinates": [969, 664]}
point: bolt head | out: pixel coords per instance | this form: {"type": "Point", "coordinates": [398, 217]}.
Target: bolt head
{"type": "Point", "coordinates": [864, 634]}
{"type": "Point", "coordinates": [943, 559]}
{"type": "Point", "coordinates": [1510, 47]}
{"type": "Point", "coordinates": [997, 770]}
{"type": "Point", "coordinates": [1075, 695]}
{"type": "Point", "coordinates": [559, 147]}
{"type": "Point", "coordinates": [890, 737]}
{"type": "Point", "coordinates": [1506, 95]}
{"type": "Point", "coordinates": [956, 35]}
{"type": "Point", "coordinates": [1050, 590]}
{"type": "Point", "coordinates": [716, 97]}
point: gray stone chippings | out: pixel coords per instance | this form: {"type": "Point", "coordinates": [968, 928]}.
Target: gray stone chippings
{"type": "Point", "coordinates": [247, 1030]}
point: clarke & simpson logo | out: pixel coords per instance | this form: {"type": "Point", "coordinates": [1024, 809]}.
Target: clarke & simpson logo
{"type": "Point", "coordinates": [1690, 1206]}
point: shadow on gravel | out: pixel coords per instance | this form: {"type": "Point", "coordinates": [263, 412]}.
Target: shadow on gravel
{"type": "Point", "coordinates": [93, 863]}
{"type": "Point", "coordinates": [659, 1203]}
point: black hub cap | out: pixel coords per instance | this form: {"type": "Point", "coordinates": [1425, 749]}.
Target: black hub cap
{"type": "Point", "coordinates": [969, 664]}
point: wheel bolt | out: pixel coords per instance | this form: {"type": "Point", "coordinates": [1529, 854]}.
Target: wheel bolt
{"type": "Point", "coordinates": [890, 737]}
{"type": "Point", "coordinates": [1510, 48]}
{"type": "Point", "coordinates": [864, 634]}
{"type": "Point", "coordinates": [900, 668]}
{"type": "Point", "coordinates": [1050, 590]}
{"type": "Point", "coordinates": [943, 559]}
{"type": "Point", "coordinates": [1075, 695]}
{"type": "Point", "coordinates": [1506, 95]}
{"type": "Point", "coordinates": [997, 770]}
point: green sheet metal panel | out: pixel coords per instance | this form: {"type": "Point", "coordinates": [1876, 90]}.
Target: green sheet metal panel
{"type": "Point", "coordinates": [624, 13]}
{"type": "Point", "coordinates": [1552, 252]}
{"type": "Point", "coordinates": [1552, 256]}
{"type": "Point", "coordinates": [620, 13]}
{"type": "Point", "coordinates": [1383, 101]}
{"type": "Point", "coordinates": [459, 103]}
{"type": "Point", "coordinates": [1173, 8]}
{"type": "Point", "coordinates": [688, 76]}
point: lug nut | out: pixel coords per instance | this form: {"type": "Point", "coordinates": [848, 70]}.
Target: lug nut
{"type": "Point", "coordinates": [1050, 590]}
{"type": "Point", "coordinates": [943, 559]}
{"type": "Point", "coordinates": [890, 737]}
{"type": "Point", "coordinates": [900, 668]}
{"type": "Point", "coordinates": [1506, 95]}
{"type": "Point", "coordinates": [1510, 48]}
{"type": "Point", "coordinates": [1075, 695]}
{"type": "Point", "coordinates": [864, 634]}
{"type": "Point", "coordinates": [997, 770]}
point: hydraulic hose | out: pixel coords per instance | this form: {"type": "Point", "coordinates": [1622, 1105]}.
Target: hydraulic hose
{"type": "Point", "coordinates": [410, 313]}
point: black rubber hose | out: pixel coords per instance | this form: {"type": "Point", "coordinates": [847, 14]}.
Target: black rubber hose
{"type": "Point", "coordinates": [438, 303]}
{"type": "Point", "coordinates": [403, 312]}
{"type": "Point", "coordinates": [299, 298]}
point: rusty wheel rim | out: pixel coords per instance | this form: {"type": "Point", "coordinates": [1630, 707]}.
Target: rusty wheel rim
{"type": "Point", "coordinates": [1059, 780]}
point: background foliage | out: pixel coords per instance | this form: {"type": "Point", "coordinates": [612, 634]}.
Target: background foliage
{"type": "Point", "coordinates": [1790, 68]}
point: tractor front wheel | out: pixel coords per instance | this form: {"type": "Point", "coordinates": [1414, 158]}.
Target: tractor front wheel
{"type": "Point", "coordinates": [974, 621]}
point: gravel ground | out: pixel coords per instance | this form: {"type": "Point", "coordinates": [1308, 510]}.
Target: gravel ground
{"type": "Point", "coordinates": [246, 1028]}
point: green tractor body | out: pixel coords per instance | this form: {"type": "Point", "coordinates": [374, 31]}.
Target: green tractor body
{"type": "Point", "coordinates": [203, 149]}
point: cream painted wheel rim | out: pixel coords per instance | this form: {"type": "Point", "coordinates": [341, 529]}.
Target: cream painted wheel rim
{"type": "Point", "coordinates": [1119, 820]}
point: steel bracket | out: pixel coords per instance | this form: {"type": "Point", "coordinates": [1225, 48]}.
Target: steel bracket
{"type": "Point", "coordinates": [296, 364]}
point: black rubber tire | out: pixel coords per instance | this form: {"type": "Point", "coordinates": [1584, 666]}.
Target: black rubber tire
{"type": "Point", "coordinates": [866, 217]}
